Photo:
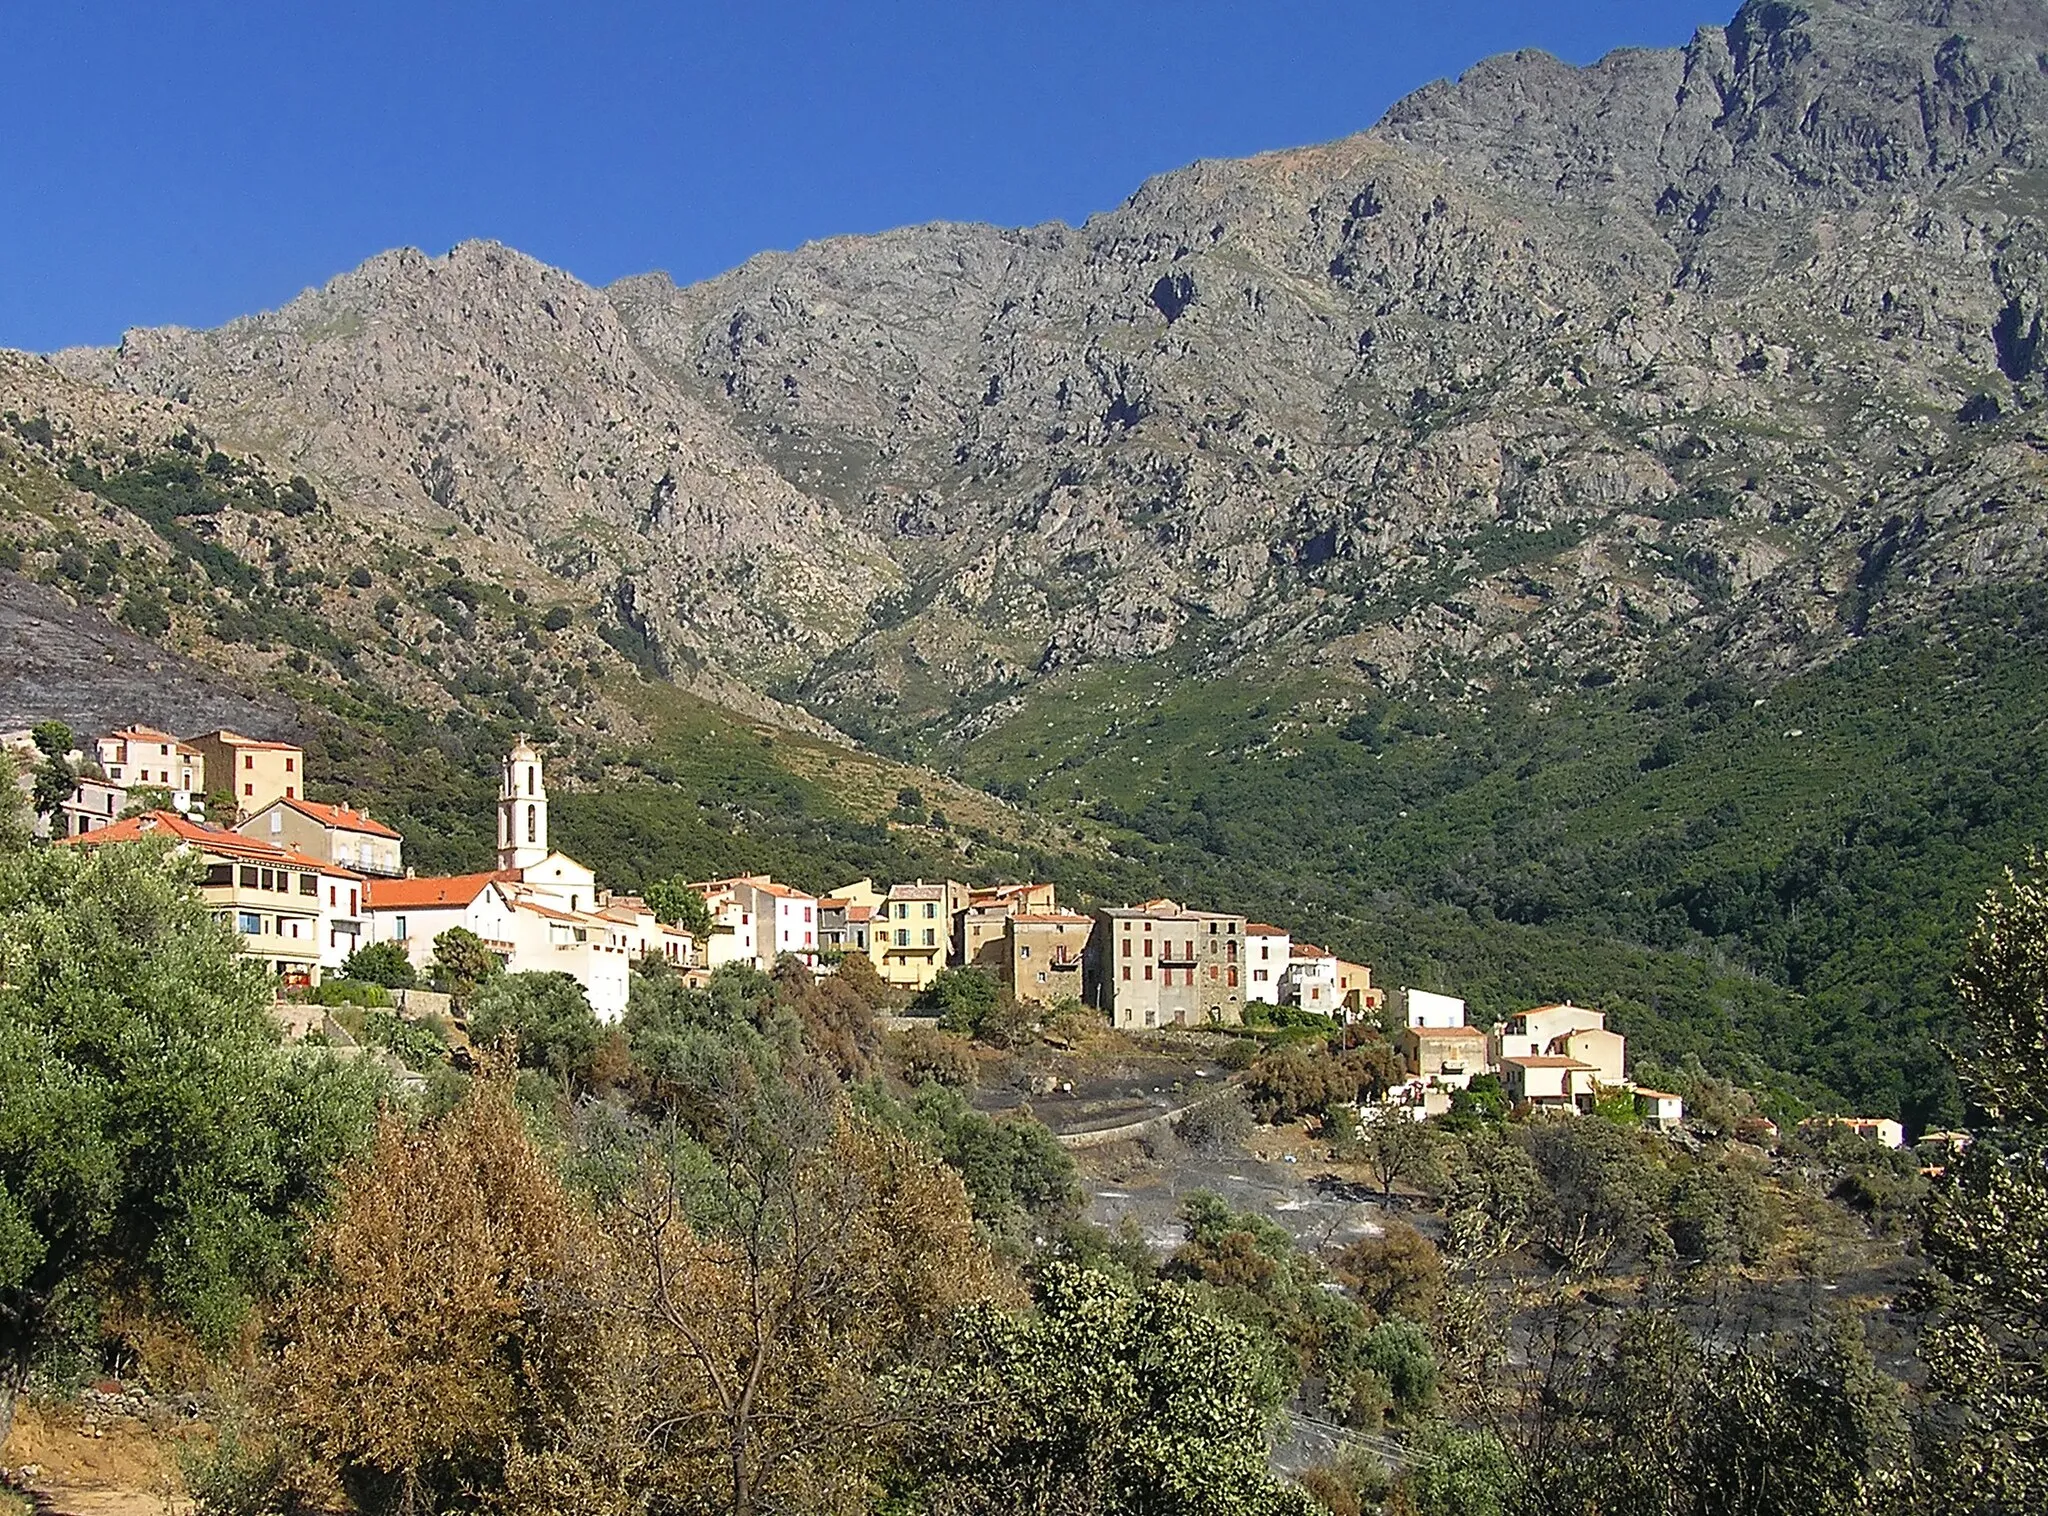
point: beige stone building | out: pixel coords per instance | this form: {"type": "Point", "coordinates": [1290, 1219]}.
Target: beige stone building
{"type": "Point", "coordinates": [1160, 964]}
{"type": "Point", "coordinates": [1045, 955]}
{"type": "Point", "coordinates": [1450, 1056]}
{"type": "Point", "coordinates": [980, 930]}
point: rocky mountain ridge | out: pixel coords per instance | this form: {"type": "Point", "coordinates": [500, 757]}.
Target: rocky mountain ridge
{"type": "Point", "coordinates": [1552, 374]}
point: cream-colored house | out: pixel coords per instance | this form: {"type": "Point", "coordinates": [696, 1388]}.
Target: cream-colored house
{"type": "Point", "coordinates": [1600, 1050]}
{"type": "Point", "coordinates": [1357, 998]}
{"type": "Point", "coordinates": [295, 914]}
{"type": "Point", "coordinates": [141, 756]}
{"type": "Point", "coordinates": [1266, 952]}
{"type": "Point", "coordinates": [916, 932]}
{"type": "Point", "coordinates": [338, 833]}
{"type": "Point", "coordinates": [1548, 1083]}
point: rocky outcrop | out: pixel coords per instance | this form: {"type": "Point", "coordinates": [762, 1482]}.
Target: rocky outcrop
{"type": "Point", "coordinates": [1554, 371]}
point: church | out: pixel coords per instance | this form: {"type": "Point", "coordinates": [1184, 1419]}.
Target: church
{"type": "Point", "coordinates": [540, 910]}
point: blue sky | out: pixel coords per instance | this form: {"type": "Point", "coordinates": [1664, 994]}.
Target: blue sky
{"type": "Point", "coordinates": [191, 162]}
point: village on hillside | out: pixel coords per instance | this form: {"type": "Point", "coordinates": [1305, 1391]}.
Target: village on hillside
{"type": "Point", "coordinates": [305, 884]}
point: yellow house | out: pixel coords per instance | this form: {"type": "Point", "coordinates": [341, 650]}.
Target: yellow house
{"type": "Point", "coordinates": [249, 771]}
{"type": "Point", "coordinates": [916, 934]}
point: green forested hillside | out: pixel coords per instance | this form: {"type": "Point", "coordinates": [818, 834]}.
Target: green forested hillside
{"type": "Point", "coordinates": [1777, 881]}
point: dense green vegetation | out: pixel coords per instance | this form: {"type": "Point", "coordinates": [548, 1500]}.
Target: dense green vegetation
{"type": "Point", "coordinates": [1776, 881]}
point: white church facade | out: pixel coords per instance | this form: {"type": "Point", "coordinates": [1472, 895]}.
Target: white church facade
{"type": "Point", "coordinates": [540, 910]}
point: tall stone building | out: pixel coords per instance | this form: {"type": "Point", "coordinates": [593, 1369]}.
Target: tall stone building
{"type": "Point", "coordinates": [1160, 964]}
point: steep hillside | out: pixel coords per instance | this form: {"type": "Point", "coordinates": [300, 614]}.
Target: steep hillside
{"type": "Point", "coordinates": [147, 575]}
{"type": "Point", "coordinates": [1559, 396]}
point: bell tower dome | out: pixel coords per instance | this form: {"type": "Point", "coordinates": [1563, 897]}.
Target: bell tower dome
{"type": "Point", "coordinates": [522, 809]}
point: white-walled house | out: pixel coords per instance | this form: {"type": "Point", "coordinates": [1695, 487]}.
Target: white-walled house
{"type": "Point", "coordinates": [414, 912]}
{"type": "Point", "coordinates": [1312, 982]}
{"type": "Point", "coordinates": [779, 920]}
{"type": "Point", "coordinates": [1267, 950]}
{"type": "Point", "coordinates": [1421, 1009]}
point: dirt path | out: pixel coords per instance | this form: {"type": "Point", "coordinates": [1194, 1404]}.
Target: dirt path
{"type": "Point", "coordinates": [115, 1467]}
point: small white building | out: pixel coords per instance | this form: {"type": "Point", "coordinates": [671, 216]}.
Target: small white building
{"type": "Point", "coordinates": [1313, 982]}
{"type": "Point", "coordinates": [767, 920]}
{"type": "Point", "coordinates": [1424, 1009]}
{"type": "Point", "coordinates": [1660, 1109]}
{"type": "Point", "coordinates": [1267, 950]}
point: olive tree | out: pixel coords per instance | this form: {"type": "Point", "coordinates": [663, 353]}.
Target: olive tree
{"type": "Point", "coordinates": [155, 1143]}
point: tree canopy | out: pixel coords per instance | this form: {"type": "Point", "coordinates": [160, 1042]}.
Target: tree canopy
{"type": "Point", "coordinates": [154, 1141]}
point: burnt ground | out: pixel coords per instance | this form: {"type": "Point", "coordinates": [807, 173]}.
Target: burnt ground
{"type": "Point", "coordinates": [1110, 1082]}
{"type": "Point", "coordinates": [58, 660]}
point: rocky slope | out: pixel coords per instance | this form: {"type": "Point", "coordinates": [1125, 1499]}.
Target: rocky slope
{"type": "Point", "coordinates": [1553, 370]}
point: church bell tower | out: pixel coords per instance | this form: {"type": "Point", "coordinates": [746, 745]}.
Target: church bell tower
{"type": "Point", "coordinates": [522, 810]}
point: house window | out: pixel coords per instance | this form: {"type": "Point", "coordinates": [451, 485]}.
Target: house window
{"type": "Point", "coordinates": [288, 764]}
{"type": "Point", "coordinates": [903, 936]}
{"type": "Point", "coordinates": [249, 924]}
{"type": "Point", "coordinates": [309, 885]}
{"type": "Point", "coordinates": [290, 793]}
{"type": "Point", "coordinates": [248, 790]}
{"type": "Point", "coordinates": [1148, 947]}
{"type": "Point", "coordinates": [1265, 952]}
{"type": "Point", "coordinates": [1127, 973]}
{"type": "Point", "coordinates": [930, 910]}
{"type": "Point", "coordinates": [1230, 952]}
{"type": "Point", "coordinates": [807, 915]}
{"type": "Point", "coordinates": [931, 938]}
{"type": "Point", "coordinates": [1041, 976]}
{"type": "Point", "coordinates": [532, 822]}
{"type": "Point", "coordinates": [248, 762]}
{"type": "Point", "coordinates": [1024, 951]}
{"type": "Point", "coordinates": [1127, 947]}
{"type": "Point", "coordinates": [1232, 979]}
{"type": "Point", "coordinates": [529, 782]}
{"type": "Point", "coordinates": [1148, 971]}
{"type": "Point", "coordinates": [113, 773]}
{"type": "Point", "coordinates": [333, 896]}
{"type": "Point", "coordinates": [398, 929]}
{"type": "Point", "coordinates": [352, 900]}
{"type": "Point", "coordinates": [248, 878]}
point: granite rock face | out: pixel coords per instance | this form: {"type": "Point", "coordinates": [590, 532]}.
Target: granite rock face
{"type": "Point", "coordinates": [1552, 372]}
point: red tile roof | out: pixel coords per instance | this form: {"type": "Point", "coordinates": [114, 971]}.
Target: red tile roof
{"type": "Point", "coordinates": [211, 839]}
{"type": "Point", "coordinates": [1262, 929]}
{"type": "Point", "coordinates": [343, 817]}
{"type": "Point", "coordinates": [1550, 1063]}
{"type": "Point", "coordinates": [424, 894]}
